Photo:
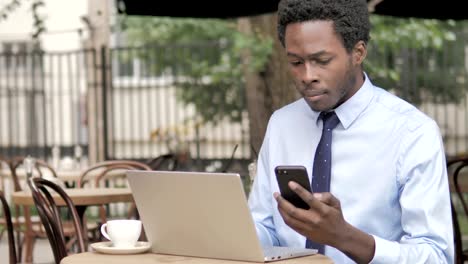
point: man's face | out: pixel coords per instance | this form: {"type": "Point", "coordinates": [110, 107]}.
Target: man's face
{"type": "Point", "coordinates": [324, 73]}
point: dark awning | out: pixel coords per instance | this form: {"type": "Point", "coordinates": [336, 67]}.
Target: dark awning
{"type": "Point", "coordinates": [200, 8]}
{"type": "Point", "coordinates": [448, 9]}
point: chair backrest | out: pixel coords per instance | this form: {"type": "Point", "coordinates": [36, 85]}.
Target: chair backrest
{"type": "Point", "coordinates": [51, 218]}
{"type": "Point", "coordinates": [5, 165]}
{"type": "Point", "coordinates": [40, 169]}
{"type": "Point", "coordinates": [454, 167]}
{"type": "Point", "coordinates": [102, 169]}
{"type": "Point", "coordinates": [167, 161]}
{"type": "Point", "coordinates": [107, 173]}
{"type": "Point", "coordinates": [457, 236]}
{"type": "Point", "coordinates": [458, 168]}
{"type": "Point", "coordinates": [9, 227]}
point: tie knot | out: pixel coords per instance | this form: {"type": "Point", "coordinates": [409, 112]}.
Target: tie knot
{"type": "Point", "coordinates": [330, 120]}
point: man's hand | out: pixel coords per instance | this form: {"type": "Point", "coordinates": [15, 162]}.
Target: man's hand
{"type": "Point", "coordinates": [324, 223]}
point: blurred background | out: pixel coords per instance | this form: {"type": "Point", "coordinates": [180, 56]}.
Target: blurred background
{"type": "Point", "coordinates": [88, 81]}
{"type": "Point", "coordinates": [83, 81]}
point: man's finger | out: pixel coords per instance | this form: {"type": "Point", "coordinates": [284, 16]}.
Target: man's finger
{"type": "Point", "coordinates": [328, 199]}
{"type": "Point", "coordinates": [292, 216]}
{"type": "Point", "coordinates": [305, 195]}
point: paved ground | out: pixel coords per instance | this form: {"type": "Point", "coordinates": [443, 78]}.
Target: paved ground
{"type": "Point", "coordinates": [42, 251]}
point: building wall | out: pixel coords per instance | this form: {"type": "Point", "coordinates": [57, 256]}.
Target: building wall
{"type": "Point", "coordinates": [62, 21]}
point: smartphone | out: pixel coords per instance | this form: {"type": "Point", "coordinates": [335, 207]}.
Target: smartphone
{"type": "Point", "coordinates": [296, 173]}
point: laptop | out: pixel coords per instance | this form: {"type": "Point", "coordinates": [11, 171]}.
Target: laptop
{"type": "Point", "coordinates": [200, 214]}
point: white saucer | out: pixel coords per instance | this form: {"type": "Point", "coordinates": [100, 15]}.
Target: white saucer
{"type": "Point", "coordinates": [107, 248]}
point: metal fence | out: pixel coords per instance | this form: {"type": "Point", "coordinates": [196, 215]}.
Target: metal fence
{"type": "Point", "coordinates": [48, 101]}
{"type": "Point", "coordinates": [148, 116]}
{"type": "Point", "coordinates": [41, 103]}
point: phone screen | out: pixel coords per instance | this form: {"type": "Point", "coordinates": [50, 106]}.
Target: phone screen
{"type": "Point", "coordinates": [296, 173]}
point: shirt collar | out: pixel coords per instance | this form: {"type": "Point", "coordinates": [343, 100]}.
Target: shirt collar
{"type": "Point", "coordinates": [354, 106]}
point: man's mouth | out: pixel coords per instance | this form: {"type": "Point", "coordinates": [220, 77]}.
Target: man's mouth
{"type": "Point", "coordinates": [314, 94]}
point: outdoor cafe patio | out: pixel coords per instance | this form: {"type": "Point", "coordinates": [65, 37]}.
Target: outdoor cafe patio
{"type": "Point", "coordinates": [75, 109]}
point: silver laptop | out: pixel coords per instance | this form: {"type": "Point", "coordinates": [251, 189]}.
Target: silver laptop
{"type": "Point", "coordinates": [201, 215]}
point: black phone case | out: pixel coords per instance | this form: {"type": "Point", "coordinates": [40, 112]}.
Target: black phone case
{"type": "Point", "coordinates": [296, 173]}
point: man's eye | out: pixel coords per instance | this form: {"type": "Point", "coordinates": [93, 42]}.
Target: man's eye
{"type": "Point", "coordinates": [323, 62]}
{"type": "Point", "coordinates": [295, 63]}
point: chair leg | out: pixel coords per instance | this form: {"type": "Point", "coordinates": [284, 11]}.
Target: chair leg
{"type": "Point", "coordinates": [70, 244]}
{"type": "Point", "coordinates": [19, 244]}
{"type": "Point", "coordinates": [29, 242]}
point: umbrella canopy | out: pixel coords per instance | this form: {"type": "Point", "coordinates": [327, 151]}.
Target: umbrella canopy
{"type": "Point", "coordinates": [200, 8]}
{"type": "Point", "coordinates": [448, 9]}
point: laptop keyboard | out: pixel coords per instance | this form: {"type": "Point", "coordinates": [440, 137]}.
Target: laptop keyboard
{"type": "Point", "coordinates": [275, 253]}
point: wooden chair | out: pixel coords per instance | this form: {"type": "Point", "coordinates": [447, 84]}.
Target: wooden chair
{"type": "Point", "coordinates": [229, 163]}
{"type": "Point", "coordinates": [167, 161]}
{"type": "Point", "coordinates": [101, 173]}
{"type": "Point", "coordinates": [31, 226]}
{"type": "Point", "coordinates": [455, 167]}
{"type": "Point", "coordinates": [41, 169]}
{"type": "Point", "coordinates": [13, 257]}
{"type": "Point", "coordinates": [27, 226]}
{"type": "Point", "coordinates": [52, 220]}
{"type": "Point", "coordinates": [4, 165]}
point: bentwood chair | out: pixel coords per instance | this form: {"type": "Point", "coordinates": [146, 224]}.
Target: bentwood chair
{"type": "Point", "coordinates": [107, 173]}
{"type": "Point", "coordinates": [4, 165]}
{"type": "Point", "coordinates": [9, 228]}
{"type": "Point", "coordinates": [52, 219]}
{"type": "Point", "coordinates": [167, 161]}
{"type": "Point", "coordinates": [27, 226]}
{"type": "Point", "coordinates": [30, 226]}
{"type": "Point", "coordinates": [455, 168]}
{"type": "Point", "coordinates": [100, 171]}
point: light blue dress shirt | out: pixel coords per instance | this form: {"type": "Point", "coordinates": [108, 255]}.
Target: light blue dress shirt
{"type": "Point", "coordinates": [388, 171]}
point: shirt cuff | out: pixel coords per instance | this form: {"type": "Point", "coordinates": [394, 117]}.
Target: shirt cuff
{"type": "Point", "coordinates": [385, 251]}
{"type": "Point", "coordinates": [264, 236]}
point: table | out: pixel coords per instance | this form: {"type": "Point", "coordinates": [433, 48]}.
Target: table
{"type": "Point", "coordinates": [68, 176]}
{"type": "Point", "coordinates": [81, 198]}
{"type": "Point", "coordinates": [150, 258]}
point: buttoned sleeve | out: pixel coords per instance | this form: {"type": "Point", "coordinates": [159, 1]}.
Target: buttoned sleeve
{"type": "Point", "coordinates": [260, 198]}
{"type": "Point", "coordinates": [424, 200]}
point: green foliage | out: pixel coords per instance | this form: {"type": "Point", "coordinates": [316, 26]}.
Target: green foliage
{"type": "Point", "coordinates": [9, 8]}
{"type": "Point", "coordinates": [38, 20]}
{"type": "Point", "coordinates": [419, 59]}
{"type": "Point", "coordinates": [411, 32]}
{"type": "Point", "coordinates": [208, 61]}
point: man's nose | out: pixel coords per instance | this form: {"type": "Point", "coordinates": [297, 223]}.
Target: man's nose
{"type": "Point", "coordinates": [310, 73]}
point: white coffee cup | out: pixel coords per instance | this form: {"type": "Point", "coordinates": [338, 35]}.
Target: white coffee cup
{"type": "Point", "coordinates": [123, 233]}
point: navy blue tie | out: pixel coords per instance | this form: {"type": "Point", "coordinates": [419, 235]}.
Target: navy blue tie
{"type": "Point", "coordinates": [322, 163]}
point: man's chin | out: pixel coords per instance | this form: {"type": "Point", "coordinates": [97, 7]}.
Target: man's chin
{"type": "Point", "coordinates": [318, 106]}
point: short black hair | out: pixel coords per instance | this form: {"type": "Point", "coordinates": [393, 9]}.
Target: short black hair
{"type": "Point", "coordinates": [350, 17]}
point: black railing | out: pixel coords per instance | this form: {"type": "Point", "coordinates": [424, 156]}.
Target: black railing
{"type": "Point", "coordinates": [69, 102]}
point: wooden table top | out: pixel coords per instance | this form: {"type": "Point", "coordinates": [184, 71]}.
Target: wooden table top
{"type": "Point", "coordinates": [71, 175]}
{"type": "Point", "coordinates": [82, 196]}
{"type": "Point", "coordinates": [150, 258]}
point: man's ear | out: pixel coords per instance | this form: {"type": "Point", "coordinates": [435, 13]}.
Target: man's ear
{"type": "Point", "coordinates": [359, 52]}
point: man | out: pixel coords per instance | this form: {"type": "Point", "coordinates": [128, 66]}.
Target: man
{"type": "Point", "coordinates": [388, 198]}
